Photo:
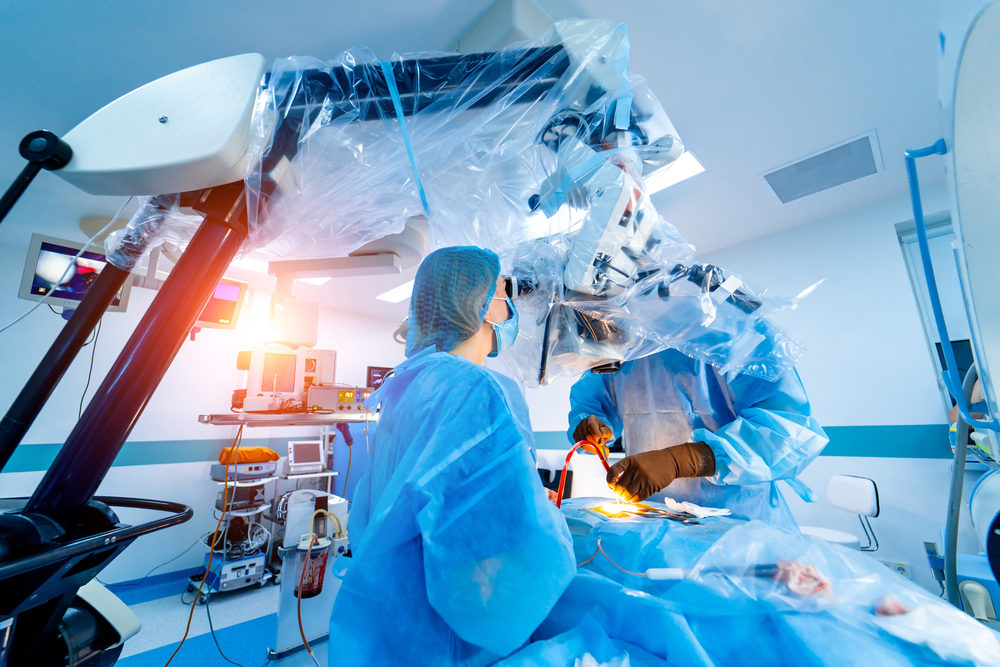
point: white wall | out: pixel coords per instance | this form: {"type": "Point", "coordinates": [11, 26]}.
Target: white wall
{"type": "Point", "coordinates": [200, 380]}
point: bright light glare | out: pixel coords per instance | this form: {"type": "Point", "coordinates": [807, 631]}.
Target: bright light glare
{"type": "Point", "coordinates": [681, 169]}
{"type": "Point", "coordinates": [397, 294]}
{"type": "Point", "coordinates": [250, 264]}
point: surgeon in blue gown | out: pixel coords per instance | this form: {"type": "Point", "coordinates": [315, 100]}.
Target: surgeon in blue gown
{"type": "Point", "coordinates": [458, 555]}
{"type": "Point", "coordinates": [696, 434]}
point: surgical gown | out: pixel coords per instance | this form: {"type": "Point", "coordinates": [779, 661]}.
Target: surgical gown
{"type": "Point", "coordinates": [759, 431]}
{"type": "Point", "coordinates": [458, 555]}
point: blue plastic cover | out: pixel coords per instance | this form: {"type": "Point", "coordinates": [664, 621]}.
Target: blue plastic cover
{"type": "Point", "coordinates": [450, 525]}
{"type": "Point", "coordinates": [760, 431]}
{"type": "Point", "coordinates": [828, 606]}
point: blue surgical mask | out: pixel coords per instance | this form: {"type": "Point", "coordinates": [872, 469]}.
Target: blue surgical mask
{"type": "Point", "coordinates": [504, 333]}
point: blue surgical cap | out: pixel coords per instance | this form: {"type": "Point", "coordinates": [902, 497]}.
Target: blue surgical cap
{"type": "Point", "coordinates": [451, 294]}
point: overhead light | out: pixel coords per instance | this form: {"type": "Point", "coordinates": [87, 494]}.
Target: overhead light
{"type": "Point", "coordinates": [681, 169]}
{"type": "Point", "coordinates": [397, 294]}
{"type": "Point", "coordinates": [319, 280]}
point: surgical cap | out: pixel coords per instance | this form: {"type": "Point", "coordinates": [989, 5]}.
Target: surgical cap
{"type": "Point", "coordinates": [451, 294]}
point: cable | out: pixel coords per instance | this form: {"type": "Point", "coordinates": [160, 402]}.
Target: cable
{"type": "Point", "coordinates": [211, 547]}
{"type": "Point", "coordinates": [212, 630]}
{"type": "Point", "coordinates": [146, 576]}
{"type": "Point", "coordinates": [53, 309]}
{"type": "Point", "coordinates": [90, 372]}
{"type": "Point", "coordinates": [298, 596]}
{"type": "Point", "coordinates": [45, 296]}
{"type": "Point", "coordinates": [313, 539]}
{"type": "Point", "coordinates": [601, 550]}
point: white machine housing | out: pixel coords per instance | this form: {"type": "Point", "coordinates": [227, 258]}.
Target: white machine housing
{"type": "Point", "coordinates": [185, 131]}
{"type": "Point", "coordinates": [279, 374]}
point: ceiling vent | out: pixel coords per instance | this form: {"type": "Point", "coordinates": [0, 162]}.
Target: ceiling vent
{"type": "Point", "coordinates": [829, 168]}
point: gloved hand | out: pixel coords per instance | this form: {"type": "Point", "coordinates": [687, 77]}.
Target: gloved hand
{"type": "Point", "coordinates": [595, 432]}
{"type": "Point", "coordinates": [592, 430]}
{"type": "Point", "coordinates": [639, 476]}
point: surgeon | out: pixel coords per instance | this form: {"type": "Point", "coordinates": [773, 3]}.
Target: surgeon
{"type": "Point", "coordinates": [457, 554]}
{"type": "Point", "coordinates": [697, 434]}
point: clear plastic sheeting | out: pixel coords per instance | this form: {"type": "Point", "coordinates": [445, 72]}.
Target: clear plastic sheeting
{"type": "Point", "coordinates": [670, 302]}
{"type": "Point", "coordinates": [344, 152]}
{"type": "Point", "coordinates": [546, 152]}
{"type": "Point", "coordinates": [158, 220]}
{"type": "Point", "coordinates": [745, 593]}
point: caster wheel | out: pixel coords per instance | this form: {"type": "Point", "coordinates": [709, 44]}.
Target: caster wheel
{"type": "Point", "coordinates": [191, 588]}
{"type": "Point", "coordinates": [203, 598]}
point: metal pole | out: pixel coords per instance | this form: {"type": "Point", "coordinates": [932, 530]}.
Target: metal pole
{"type": "Point", "coordinates": [955, 497]}
{"type": "Point", "coordinates": [100, 434]}
{"type": "Point", "coordinates": [38, 388]}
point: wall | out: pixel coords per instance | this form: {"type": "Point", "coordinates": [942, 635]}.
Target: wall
{"type": "Point", "coordinates": [168, 453]}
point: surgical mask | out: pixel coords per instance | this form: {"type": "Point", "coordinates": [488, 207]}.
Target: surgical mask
{"type": "Point", "coordinates": [504, 333]}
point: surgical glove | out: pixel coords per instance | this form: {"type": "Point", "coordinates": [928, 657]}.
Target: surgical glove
{"type": "Point", "coordinates": [592, 430]}
{"type": "Point", "coordinates": [639, 476]}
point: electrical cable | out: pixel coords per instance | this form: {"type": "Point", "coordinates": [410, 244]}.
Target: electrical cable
{"type": "Point", "coordinates": [211, 629]}
{"type": "Point", "coordinates": [211, 547]}
{"type": "Point", "coordinates": [146, 576]}
{"type": "Point", "coordinates": [44, 299]}
{"type": "Point", "coordinates": [313, 539]}
{"type": "Point", "coordinates": [601, 550]}
{"type": "Point", "coordinates": [53, 309]}
{"type": "Point", "coordinates": [90, 372]}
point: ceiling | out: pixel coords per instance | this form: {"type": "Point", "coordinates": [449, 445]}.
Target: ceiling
{"type": "Point", "coordinates": [750, 86]}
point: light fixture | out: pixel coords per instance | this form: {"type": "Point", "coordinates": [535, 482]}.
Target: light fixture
{"type": "Point", "coordinates": [397, 294]}
{"type": "Point", "coordinates": [681, 169]}
{"type": "Point", "coordinates": [319, 280]}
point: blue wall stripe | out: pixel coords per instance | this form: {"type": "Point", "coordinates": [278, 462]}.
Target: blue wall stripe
{"type": "Point", "coordinates": [917, 441]}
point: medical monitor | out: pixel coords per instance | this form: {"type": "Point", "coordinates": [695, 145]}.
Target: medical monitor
{"type": "Point", "coordinates": [963, 357]}
{"type": "Point", "coordinates": [223, 308]}
{"type": "Point", "coordinates": [305, 456]}
{"type": "Point", "coordinates": [49, 269]}
{"type": "Point", "coordinates": [376, 374]}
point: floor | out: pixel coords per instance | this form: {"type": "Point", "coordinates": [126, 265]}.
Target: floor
{"type": "Point", "coordinates": [245, 623]}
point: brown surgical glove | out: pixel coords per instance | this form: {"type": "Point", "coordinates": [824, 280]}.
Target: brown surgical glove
{"type": "Point", "coordinates": [592, 430]}
{"type": "Point", "coordinates": [637, 477]}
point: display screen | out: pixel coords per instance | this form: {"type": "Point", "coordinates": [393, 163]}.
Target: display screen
{"type": "Point", "coordinates": [57, 273]}
{"type": "Point", "coordinates": [306, 451]}
{"type": "Point", "coordinates": [223, 306]}
{"type": "Point", "coordinates": [345, 396]}
{"type": "Point", "coordinates": [376, 374]}
{"type": "Point", "coordinates": [279, 373]}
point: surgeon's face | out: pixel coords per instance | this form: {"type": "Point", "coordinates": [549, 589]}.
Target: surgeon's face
{"type": "Point", "coordinates": [498, 311]}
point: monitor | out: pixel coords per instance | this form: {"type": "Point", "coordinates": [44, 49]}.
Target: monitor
{"type": "Point", "coordinates": [49, 269]}
{"type": "Point", "coordinates": [223, 308]}
{"type": "Point", "coordinates": [963, 357]}
{"type": "Point", "coordinates": [376, 374]}
{"type": "Point", "coordinates": [305, 456]}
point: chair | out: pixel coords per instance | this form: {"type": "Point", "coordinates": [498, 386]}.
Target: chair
{"type": "Point", "coordinates": [854, 494]}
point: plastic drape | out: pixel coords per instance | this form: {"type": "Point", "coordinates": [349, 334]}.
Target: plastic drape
{"type": "Point", "coordinates": [750, 594]}
{"type": "Point", "coordinates": [546, 152]}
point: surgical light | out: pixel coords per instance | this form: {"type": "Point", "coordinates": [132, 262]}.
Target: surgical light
{"type": "Point", "coordinates": [397, 294]}
{"type": "Point", "coordinates": [681, 169]}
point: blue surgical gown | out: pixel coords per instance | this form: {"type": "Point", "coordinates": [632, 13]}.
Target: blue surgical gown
{"type": "Point", "coordinates": [458, 555]}
{"type": "Point", "coordinates": [759, 431]}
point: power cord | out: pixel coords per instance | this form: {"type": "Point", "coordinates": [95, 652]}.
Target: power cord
{"type": "Point", "coordinates": [146, 576]}
{"type": "Point", "coordinates": [45, 297]}
{"type": "Point", "coordinates": [313, 539]}
{"type": "Point", "coordinates": [211, 628]}
{"type": "Point", "coordinates": [211, 547]}
{"type": "Point", "coordinates": [90, 372]}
